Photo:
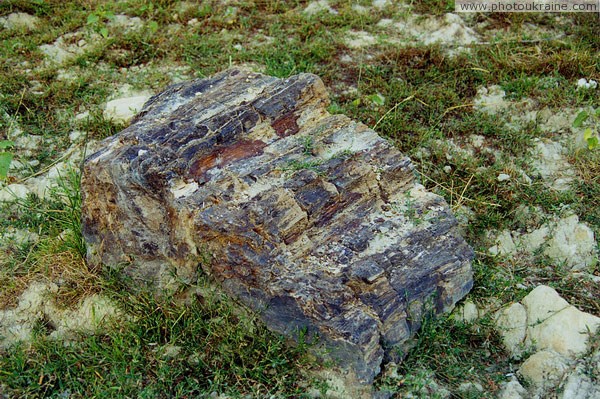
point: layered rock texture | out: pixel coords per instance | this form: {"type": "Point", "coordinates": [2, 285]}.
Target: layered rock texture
{"type": "Point", "coordinates": [309, 219]}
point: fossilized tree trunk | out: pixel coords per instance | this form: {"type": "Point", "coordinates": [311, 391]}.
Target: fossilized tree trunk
{"type": "Point", "coordinates": [310, 219]}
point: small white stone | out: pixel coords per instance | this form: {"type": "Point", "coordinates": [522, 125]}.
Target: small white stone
{"type": "Point", "coordinates": [555, 325]}
{"type": "Point", "coordinates": [504, 244]}
{"type": "Point", "coordinates": [123, 109]}
{"type": "Point", "coordinates": [447, 169]}
{"type": "Point", "coordinates": [578, 385]}
{"type": "Point", "coordinates": [503, 177]}
{"type": "Point", "coordinates": [76, 136]}
{"type": "Point", "coordinates": [470, 387]}
{"type": "Point", "coordinates": [381, 3]}
{"type": "Point", "coordinates": [512, 390]}
{"type": "Point", "coordinates": [544, 369]}
{"type": "Point", "coordinates": [318, 6]}
{"type": "Point", "coordinates": [360, 39]}
{"type": "Point", "coordinates": [572, 243]}
{"type": "Point", "coordinates": [511, 324]}
{"type": "Point", "coordinates": [19, 20]}
{"type": "Point", "coordinates": [385, 22]}
{"type": "Point", "coordinates": [477, 140]}
{"type": "Point", "coordinates": [83, 115]}
{"type": "Point", "coordinates": [467, 313]}
{"type": "Point", "coordinates": [14, 192]}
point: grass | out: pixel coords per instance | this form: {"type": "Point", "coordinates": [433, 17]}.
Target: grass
{"type": "Point", "coordinates": [217, 350]}
{"type": "Point", "coordinates": [428, 114]}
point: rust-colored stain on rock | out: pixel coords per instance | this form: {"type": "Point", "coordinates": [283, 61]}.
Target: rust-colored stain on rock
{"type": "Point", "coordinates": [241, 149]}
{"type": "Point", "coordinates": [286, 125]}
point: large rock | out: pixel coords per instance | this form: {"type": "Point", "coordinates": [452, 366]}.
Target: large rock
{"type": "Point", "coordinates": [309, 219]}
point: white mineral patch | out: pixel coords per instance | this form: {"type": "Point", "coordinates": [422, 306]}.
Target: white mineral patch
{"type": "Point", "coordinates": [14, 192]}
{"type": "Point", "coordinates": [385, 22]}
{"type": "Point", "coordinates": [184, 189]}
{"type": "Point", "coordinates": [125, 23]}
{"type": "Point", "coordinates": [19, 20]}
{"type": "Point", "coordinates": [28, 144]}
{"type": "Point", "coordinates": [449, 30]}
{"type": "Point", "coordinates": [319, 6]}
{"type": "Point", "coordinates": [544, 369]}
{"type": "Point", "coordinates": [123, 109]}
{"type": "Point", "coordinates": [360, 9]}
{"type": "Point", "coordinates": [491, 100]}
{"type": "Point", "coordinates": [512, 390]}
{"type": "Point", "coordinates": [360, 39]}
{"type": "Point", "coordinates": [467, 312]}
{"type": "Point", "coordinates": [17, 236]}
{"type": "Point", "coordinates": [351, 140]}
{"type": "Point", "coordinates": [36, 304]}
{"type": "Point", "coordinates": [381, 3]}
{"type": "Point", "coordinates": [551, 164]}
{"type": "Point", "coordinates": [566, 241]}
{"type": "Point", "coordinates": [68, 46]}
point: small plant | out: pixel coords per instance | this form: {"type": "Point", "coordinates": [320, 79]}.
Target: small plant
{"type": "Point", "coordinates": [308, 145]}
{"type": "Point", "coordinates": [5, 158]}
{"type": "Point", "coordinates": [96, 21]}
{"type": "Point", "coordinates": [590, 137]}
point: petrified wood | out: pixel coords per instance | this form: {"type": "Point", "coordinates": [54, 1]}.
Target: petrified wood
{"type": "Point", "coordinates": [310, 219]}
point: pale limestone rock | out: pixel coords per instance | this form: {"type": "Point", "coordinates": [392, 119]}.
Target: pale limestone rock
{"type": "Point", "coordinates": [36, 303]}
{"type": "Point", "coordinates": [19, 20]}
{"type": "Point", "coordinates": [319, 6]}
{"type": "Point", "coordinates": [531, 242]}
{"type": "Point", "coordinates": [467, 312]}
{"type": "Point", "coordinates": [68, 46]}
{"type": "Point", "coordinates": [360, 39]}
{"type": "Point", "coordinates": [18, 236]}
{"type": "Point", "coordinates": [512, 325]}
{"type": "Point", "coordinates": [573, 244]}
{"type": "Point", "coordinates": [503, 177]}
{"type": "Point", "coordinates": [452, 31]}
{"type": "Point", "coordinates": [491, 100]}
{"type": "Point", "coordinates": [555, 325]}
{"type": "Point", "coordinates": [579, 385]}
{"type": "Point", "coordinates": [28, 144]}
{"type": "Point", "coordinates": [125, 23]}
{"type": "Point", "coordinates": [566, 241]}
{"type": "Point", "coordinates": [381, 3]}
{"type": "Point", "coordinates": [505, 244]}
{"type": "Point", "coordinates": [14, 192]}
{"type": "Point", "coordinates": [512, 390]}
{"type": "Point", "coordinates": [471, 388]}
{"type": "Point", "coordinates": [544, 369]}
{"type": "Point", "coordinates": [551, 164]}
{"type": "Point", "coordinates": [448, 30]}
{"type": "Point", "coordinates": [123, 109]}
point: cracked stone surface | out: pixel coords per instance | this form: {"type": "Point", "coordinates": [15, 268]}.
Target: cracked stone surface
{"type": "Point", "coordinates": [309, 219]}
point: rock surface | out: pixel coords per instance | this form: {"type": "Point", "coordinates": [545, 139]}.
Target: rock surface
{"type": "Point", "coordinates": [566, 241]}
{"type": "Point", "coordinates": [559, 334]}
{"type": "Point", "coordinates": [544, 320]}
{"type": "Point", "coordinates": [309, 219]}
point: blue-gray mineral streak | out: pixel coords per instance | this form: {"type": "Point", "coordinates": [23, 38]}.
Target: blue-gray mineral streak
{"type": "Point", "coordinates": [312, 220]}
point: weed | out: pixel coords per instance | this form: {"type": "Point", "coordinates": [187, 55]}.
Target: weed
{"type": "Point", "coordinates": [5, 158]}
